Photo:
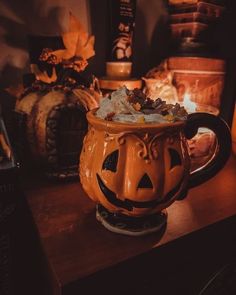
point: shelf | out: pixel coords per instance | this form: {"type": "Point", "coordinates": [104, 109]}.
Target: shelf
{"type": "Point", "coordinates": [78, 248]}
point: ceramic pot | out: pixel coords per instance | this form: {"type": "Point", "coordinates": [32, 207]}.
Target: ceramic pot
{"type": "Point", "coordinates": [135, 171]}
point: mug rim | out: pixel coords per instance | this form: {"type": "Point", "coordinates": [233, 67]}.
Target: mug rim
{"type": "Point", "coordinates": [114, 125]}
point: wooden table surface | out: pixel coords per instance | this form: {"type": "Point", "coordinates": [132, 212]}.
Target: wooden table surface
{"type": "Point", "coordinates": [77, 246]}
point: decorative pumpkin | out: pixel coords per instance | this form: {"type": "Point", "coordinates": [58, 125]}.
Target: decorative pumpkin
{"type": "Point", "coordinates": [137, 173]}
{"type": "Point", "coordinates": [53, 121]}
{"type": "Point", "coordinates": [136, 170]}
{"type": "Point", "coordinates": [53, 125]}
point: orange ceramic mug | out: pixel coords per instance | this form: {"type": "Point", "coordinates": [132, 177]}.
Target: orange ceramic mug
{"type": "Point", "coordinates": [133, 171]}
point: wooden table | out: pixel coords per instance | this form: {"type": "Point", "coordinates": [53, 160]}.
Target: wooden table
{"type": "Point", "coordinates": [83, 256]}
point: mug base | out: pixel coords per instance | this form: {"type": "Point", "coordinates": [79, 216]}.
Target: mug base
{"type": "Point", "coordinates": [131, 226]}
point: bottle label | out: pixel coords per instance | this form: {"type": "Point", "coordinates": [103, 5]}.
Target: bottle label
{"type": "Point", "coordinates": [122, 29]}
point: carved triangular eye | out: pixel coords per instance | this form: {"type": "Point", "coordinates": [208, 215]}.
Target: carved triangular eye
{"type": "Point", "coordinates": [175, 158]}
{"type": "Point", "coordinates": [145, 182]}
{"type": "Point", "coordinates": [110, 163]}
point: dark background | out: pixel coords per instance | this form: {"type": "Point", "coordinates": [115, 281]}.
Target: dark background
{"type": "Point", "coordinates": [152, 40]}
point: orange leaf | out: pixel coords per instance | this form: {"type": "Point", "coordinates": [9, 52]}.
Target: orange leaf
{"type": "Point", "coordinates": [85, 44]}
{"type": "Point", "coordinates": [77, 44]}
{"type": "Point", "coordinates": [85, 51]}
{"type": "Point", "coordinates": [75, 25]}
{"type": "Point", "coordinates": [70, 40]}
{"type": "Point", "coordinates": [43, 76]}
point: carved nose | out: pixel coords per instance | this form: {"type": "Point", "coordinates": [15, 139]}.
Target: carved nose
{"type": "Point", "coordinates": [145, 182]}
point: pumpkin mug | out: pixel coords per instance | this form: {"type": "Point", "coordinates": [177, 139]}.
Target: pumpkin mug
{"type": "Point", "coordinates": [133, 171]}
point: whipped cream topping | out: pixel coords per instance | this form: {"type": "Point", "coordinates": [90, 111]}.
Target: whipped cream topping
{"type": "Point", "coordinates": [134, 106]}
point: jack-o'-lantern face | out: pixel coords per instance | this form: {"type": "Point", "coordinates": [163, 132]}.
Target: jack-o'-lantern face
{"type": "Point", "coordinates": [134, 169]}
{"type": "Point", "coordinates": [139, 174]}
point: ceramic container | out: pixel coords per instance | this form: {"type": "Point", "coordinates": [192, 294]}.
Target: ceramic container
{"type": "Point", "coordinates": [202, 77]}
{"type": "Point", "coordinates": [134, 171]}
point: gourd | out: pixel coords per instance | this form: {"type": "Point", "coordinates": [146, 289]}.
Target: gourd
{"type": "Point", "coordinates": [53, 125]}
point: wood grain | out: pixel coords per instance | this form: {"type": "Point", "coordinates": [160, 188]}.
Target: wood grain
{"type": "Point", "coordinates": [77, 246]}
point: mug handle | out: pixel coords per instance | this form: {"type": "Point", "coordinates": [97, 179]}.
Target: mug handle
{"type": "Point", "coordinates": [223, 149]}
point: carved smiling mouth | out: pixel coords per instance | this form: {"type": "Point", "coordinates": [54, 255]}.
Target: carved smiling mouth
{"type": "Point", "coordinates": [130, 204]}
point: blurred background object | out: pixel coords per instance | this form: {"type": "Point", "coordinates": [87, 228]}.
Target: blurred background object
{"type": "Point", "coordinates": [234, 131]}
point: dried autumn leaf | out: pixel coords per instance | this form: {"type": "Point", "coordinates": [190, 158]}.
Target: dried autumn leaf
{"type": "Point", "coordinates": [76, 26]}
{"type": "Point", "coordinates": [70, 40]}
{"type": "Point", "coordinates": [86, 50]}
{"type": "Point", "coordinates": [76, 41]}
{"type": "Point", "coordinates": [43, 76]}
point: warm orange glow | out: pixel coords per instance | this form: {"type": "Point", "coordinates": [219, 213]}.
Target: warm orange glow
{"type": "Point", "coordinates": [43, 76]}
{"type": "Point", "coordinates": [234, 131]}
{"type": "Point", "coordinates": [174, 2]}
{"type": "Point", "coordinates": [78, 44]}
{"type": "Point", "coordinates": [189, 104]}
